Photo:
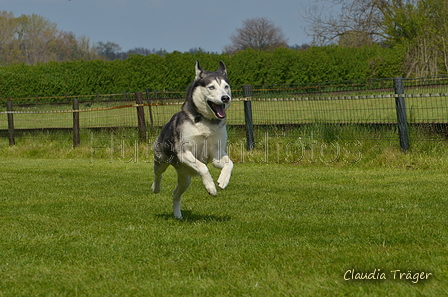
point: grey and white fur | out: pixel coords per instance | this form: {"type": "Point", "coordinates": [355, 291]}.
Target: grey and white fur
{"type": "Point", "coordinates": [196, 136]}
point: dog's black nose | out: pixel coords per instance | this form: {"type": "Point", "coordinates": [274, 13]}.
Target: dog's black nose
{"type": "Point", "coordinates": [225, 99]}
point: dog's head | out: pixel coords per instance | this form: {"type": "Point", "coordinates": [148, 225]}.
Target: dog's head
{"type": "Point", "coordinates": [212, 93]}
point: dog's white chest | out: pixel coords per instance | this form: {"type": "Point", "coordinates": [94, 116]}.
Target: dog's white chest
{"type": "Point", "coordinates": [203, 141]}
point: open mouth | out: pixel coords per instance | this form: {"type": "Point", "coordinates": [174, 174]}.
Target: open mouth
{"type": "Point", "coordinates": [218, 109]}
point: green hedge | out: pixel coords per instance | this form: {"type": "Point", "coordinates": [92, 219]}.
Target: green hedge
{"type": "Point", "coordinates": [176, 70]}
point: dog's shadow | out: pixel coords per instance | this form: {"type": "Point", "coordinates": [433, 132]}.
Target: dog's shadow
{"type": "Point", "coordinates": [189, 217]}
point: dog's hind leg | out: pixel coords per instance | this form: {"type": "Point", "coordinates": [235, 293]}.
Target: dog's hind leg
{"type": "Point", "coordinates": [183, 182]}
{"type": "Point", "coordinates": [159, 168]}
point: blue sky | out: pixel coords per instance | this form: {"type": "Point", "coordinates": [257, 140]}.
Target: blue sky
{"type": "Point", "coordinates": [164, 24]}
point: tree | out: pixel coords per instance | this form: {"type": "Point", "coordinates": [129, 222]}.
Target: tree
{"type": "Point", "coordinates": [84, 50]}
{"type": "Point", "coordinates": [146, 51]}
{"type": "Point", "coordinates": [418, 27]}
{"type": "Point", "coordinates": [35, 34]}
{"type": "Point", "coordinates": [357, 21]}
{"type": "Point", "coordinates": [32, 38]}
{"type": "Point", "coordinates": [9, 44]}
{"type": "Point", "coordinates": [110, 50]}
{"type": "Point", "coordinates": [66, 47]}
{"type": "Point", "coordinates": [257, 33]}
{"type": "Point", "coordinates": [304, 46]}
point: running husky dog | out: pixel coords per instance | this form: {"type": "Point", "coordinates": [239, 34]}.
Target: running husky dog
{"type": "Point", "coordinates": [196, 136]}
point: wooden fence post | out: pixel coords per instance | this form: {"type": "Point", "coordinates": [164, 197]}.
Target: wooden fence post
{"type": "Point", "coordinates": [401, 114]}
{"type": "Point", "coordinates": [148, 99]}
{"type": "Point", "coordinates": [76, 138]}
{"type": "Point", "coordinates": [250, 142]}
{"type": "Point", "coordinates": [10, 122]}
{"type": "Point", "coordinates": [140, 116]}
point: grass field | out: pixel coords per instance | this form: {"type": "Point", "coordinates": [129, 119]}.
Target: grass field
{"type": "Point", "coordinates": [308, 211]}
{"type": "Point", "coordinates": [82, 227]}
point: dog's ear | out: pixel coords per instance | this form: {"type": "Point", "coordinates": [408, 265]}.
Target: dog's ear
{"type": "Point", "coordinates": [199, 70]}
{"type": "Point", "coordinates": [222, 68]}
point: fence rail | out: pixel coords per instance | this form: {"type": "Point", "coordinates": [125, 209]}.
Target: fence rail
{"type": "Point", "coordinates": [366, 102]}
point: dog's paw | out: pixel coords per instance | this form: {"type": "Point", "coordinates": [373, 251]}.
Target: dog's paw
{"type": "Point", "coordinates": [212, 191]}
{"type": "Point", "coordinates": [155, 188]}
{"type": "Point", "coordinates": [209, 185]}
{"type": "Point", "coordinates": [223, 181]}
{"type": "Point", "coordinates": [178, 215]}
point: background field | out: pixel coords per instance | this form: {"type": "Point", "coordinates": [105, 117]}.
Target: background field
{"type": "Point", "coordinates": [290, 110]}
{"type": "Point", "coordinates": [92, 228]}
{"type": "Point", "coordinates": [325, 190]}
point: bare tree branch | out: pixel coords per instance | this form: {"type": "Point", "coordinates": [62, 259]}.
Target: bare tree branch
{"type": "Point", "coordinates": [334, 18]}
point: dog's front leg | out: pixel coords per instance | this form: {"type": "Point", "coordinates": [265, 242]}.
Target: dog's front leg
{"type": "Point", "coordinates": [190, 160]}
{"type": "Point", "coordinates": [226, 166]}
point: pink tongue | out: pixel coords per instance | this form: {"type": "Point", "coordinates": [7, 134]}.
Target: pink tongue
{"type": "Point", "coordinates": [220, 111]}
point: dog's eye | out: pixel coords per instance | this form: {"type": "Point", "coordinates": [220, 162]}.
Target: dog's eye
{"type": "Point", "coordinates": [211, 88]}
{"type": "Point", "coordinates": [226, 87]}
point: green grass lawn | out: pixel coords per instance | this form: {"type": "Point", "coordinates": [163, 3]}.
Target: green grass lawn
{"type": "Point", "coordinates": [70, 227]}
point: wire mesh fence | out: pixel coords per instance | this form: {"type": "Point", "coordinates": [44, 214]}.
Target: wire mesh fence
{"type": "Point", "coordinates": [361, 102]}
{"type": "Point", "coordinates": [348, 106]}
